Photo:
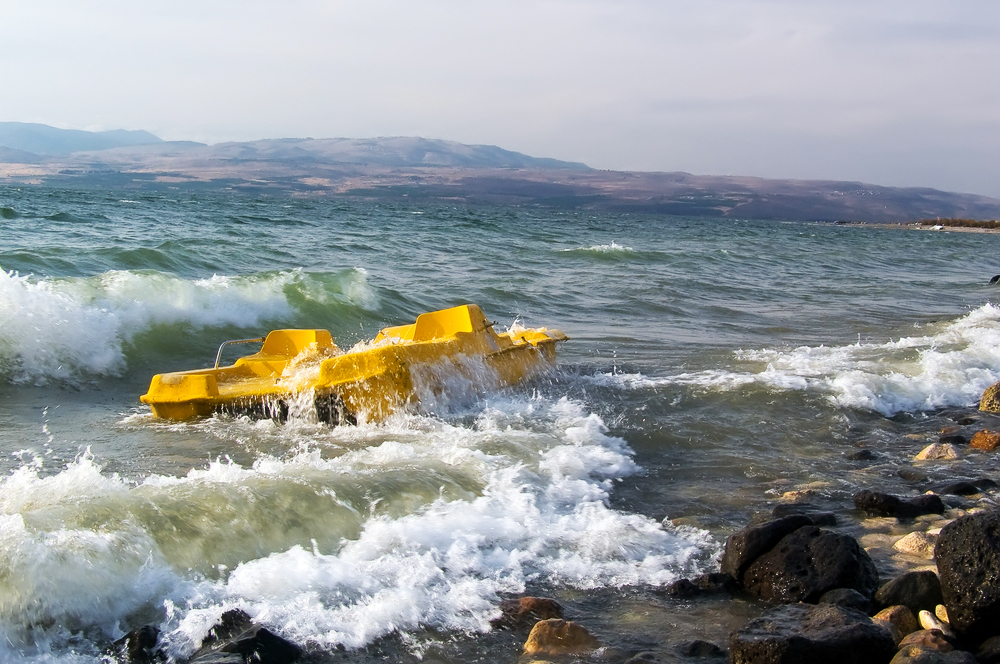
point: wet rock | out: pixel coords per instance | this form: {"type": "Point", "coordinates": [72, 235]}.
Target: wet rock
{"type": "Point", "coordinates": [139, 646]}
{"type": "Point", "coordinates": [918, 655]}
{"type": "Point", "coordinates": [901, 617]}
{"type": "Point", "coordinates": [699, 648]}
{"type": "Point", "coordinates": [525, 611]}
{"type": "Point", "coordinates": [816, 515]}
{"type": "Point", "coordinates": [875, 502]}
{"type": "Point", "coordinates": [968, 560]}
{"type": "Point", "coordinates": [862, 455]}
{"type": "Point", "coordinates": [985, 440]}
{"type": "Point", "coordinates": [797, 495]}
{"type": "Point", "coordinates": [885, 504]}
{"type": "Point", "coordinates": [953, 439]}
{"type": "Point", "coordinates": [918, 591]}
{"type": "Point", "coordinates": [848, 597]}
{"type": "Point", "coordinates": [744, 547]}
{"type": "Point", "coordinates": [990, 402]}
{"type": "Point", "coordinates": [559, 637]}
{"type": "Point", "coordinates": [644, 658]}
{"type": "Point", "coordinates": [236, 634]}
{"type": "Point", "coordinates": [821, 634]}
{"type": "Point", "coordinates": [938, 452]}
{"type": "Point", "coordinates": [916, 544]}
{"type": "Point", "coordinates": [962, 488]}
{"type": "Point", "coordinates": [932, 639]}
{"type": "Point", "coordinates": [682, 589]}
{"type": "Point", "coordinates": [808, 563]}
{"type": "Point", "coordinates": [986, 484]}
{"type": "Point", "coordinates": [927, 503]}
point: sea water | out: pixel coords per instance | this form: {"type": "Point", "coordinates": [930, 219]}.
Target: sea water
{"type": "Point", "coordinates": [713, 364]}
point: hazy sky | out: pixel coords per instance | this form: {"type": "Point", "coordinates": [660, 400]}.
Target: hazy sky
{"type": "Point", "coordinates": [901, 93]}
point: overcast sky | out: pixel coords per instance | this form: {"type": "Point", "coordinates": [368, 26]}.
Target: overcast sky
{"type": "Point", "coordinates": [900, 93]}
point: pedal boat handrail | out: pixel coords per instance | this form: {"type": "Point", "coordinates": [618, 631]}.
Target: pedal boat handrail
{"type": "Point", "coordinates": [218, 356]}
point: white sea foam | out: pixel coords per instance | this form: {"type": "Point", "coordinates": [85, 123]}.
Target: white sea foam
{"type": "Point", "coordinates": [528, 502]}
{"type": "Point", "coordinates": [951, 365]}
{"type": "Point", "coordinates": [612, 248]}
{"type": "Point", "coordinates": [74, 328]}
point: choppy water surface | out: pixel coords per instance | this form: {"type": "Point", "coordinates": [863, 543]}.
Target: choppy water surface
{"type": "Point", "coordinates": [713, 365]}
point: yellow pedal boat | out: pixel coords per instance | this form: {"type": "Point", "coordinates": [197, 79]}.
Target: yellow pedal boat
{"type": "Point", "coordinates": [402, 365]}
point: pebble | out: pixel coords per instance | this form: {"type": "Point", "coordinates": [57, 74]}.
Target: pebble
{"type": "Point", "coordinates": [930, 621]}
{"type": "Point", "coordinates": [938, 452]}
{"type": "Point", "coordinates": [941, 611]}
{"type": "Point", "coordinates": [916, 544]}
{"type": "Point", "coordinates": [559, 637]}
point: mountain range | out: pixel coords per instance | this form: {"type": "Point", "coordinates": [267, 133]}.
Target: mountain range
{"type": "Point", "coordinates": [419, 169]}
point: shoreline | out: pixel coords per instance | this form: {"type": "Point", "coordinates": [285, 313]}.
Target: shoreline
{"type": "Point", "coordinates": [915, 227]}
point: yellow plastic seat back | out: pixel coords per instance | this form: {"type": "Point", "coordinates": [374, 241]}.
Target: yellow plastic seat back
{"type": "Point", "coordinates": [289, 343]}
{"type": "Point", "coordinates": [448, 322]}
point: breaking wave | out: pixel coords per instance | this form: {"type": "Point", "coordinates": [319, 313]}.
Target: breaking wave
{"type": "Point", "coordinates": [949, 367]}
{"type": "Point", "coordinates": [365, 532]}
{"type": "Point", "coordinates": [79, 328]}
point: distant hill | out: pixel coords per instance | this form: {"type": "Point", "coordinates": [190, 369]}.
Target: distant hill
{"type": "Point", "coordinates": [411, 169]}
{"type": "Point", "coordinates": [39, 139]}
{"type": "Point", "coordinates": [391, 152]}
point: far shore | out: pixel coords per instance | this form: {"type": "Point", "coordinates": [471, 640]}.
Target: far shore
{"type": "Point", "coordinates": [918, 227]}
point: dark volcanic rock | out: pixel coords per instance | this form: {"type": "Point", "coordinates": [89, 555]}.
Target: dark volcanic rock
{"type": "Point", "coordinates": [884, 504]}
{"type": "Point", "coordinates": [848, 597]}
{"type": "Point", "coordinates": [139, 646]}
{"type": "Point", "coordinates": [236, 633]}
{"type": "Point", "coordinates": [744, 547]}
{"type": "Point", "coordinates": [953, 439]}
{"type": "Point", "coordinates": [706, 584]}
{"type": "Point", "coordinates": [808, 563]}
{"type": "Point", "coordinates": [962, 488]}
{"type": "Point", "coordinates": [801, 633]}
{"type": "Point", "coordinates": [875, 502]}
{"type": "Point", "coordinates": [927, 503]}
{"type": "Point", "coordinates": [918, 591]}
{"type": "Point", "coordinates": [968, 559]}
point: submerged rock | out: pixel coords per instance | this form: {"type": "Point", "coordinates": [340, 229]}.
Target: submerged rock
{"type": "Point", "coordinates": [808, 563]}
{"type": "Point", "coordinates": [526, 611]}
{"type": "Point", "coordinates": [559, 637]}
{"type": "Point", "coordinates": [699, 648]}
{"type": "Point", "coordinates": [817, 516]}
{"type": "Point", "coordinates": [921, 655]}
{"type": "Point", "coordinates": [916, 544]}
{"type": "Point", "coordinates": [968, 559]}
{"type": "Point", "coordinates": [803, 633]}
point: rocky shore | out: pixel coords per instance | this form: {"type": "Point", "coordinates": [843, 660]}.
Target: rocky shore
{"type": "Point", "coordinates": [812, 570]}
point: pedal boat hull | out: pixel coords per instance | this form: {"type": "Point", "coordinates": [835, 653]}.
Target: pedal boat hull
{"type": "Point", "coordinates": [368, 384]}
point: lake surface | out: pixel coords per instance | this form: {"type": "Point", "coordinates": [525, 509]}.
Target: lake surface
{"type": "Point", "coordinates": [713, 365]}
